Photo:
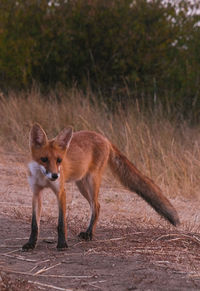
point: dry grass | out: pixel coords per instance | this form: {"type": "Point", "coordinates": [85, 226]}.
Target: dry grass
{"type": "Point", "coordinates": [164, 150]}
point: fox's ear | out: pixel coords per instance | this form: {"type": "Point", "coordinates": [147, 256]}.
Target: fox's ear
{"type": "Point", "coordinates": [38, 136]}
{"type": "Point", "coordinates": [63, 139]}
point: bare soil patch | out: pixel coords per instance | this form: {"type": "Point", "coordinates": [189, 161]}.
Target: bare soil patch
{"type": "Point", "coordinates": [131, 258]}
{"type": "Point", "coordinates": [133, 249]}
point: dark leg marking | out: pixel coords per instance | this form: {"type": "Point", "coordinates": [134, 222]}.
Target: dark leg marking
{"type": "Point", "coordinates": [87, 235]}
{"type": "Point", "coordinates": [61, 232]}
{"type": "Point", "coordinates": [30, 245]}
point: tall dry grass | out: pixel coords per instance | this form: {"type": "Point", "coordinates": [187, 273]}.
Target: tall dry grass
{"type": "Point", "coordinates": [167, 151]}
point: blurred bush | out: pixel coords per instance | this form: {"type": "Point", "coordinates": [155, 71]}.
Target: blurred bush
{"type": "Point", "coordinates": [121, 49]}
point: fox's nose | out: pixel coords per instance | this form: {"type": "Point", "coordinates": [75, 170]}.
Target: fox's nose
{"type": "Point", "coordinates": [54, 176]}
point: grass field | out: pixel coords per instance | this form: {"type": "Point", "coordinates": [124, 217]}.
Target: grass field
{"type": "Point", "coordinates": [167, 150]}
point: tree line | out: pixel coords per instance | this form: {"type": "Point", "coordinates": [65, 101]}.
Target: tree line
{"type": "Point", "coordinates": [121, 49]}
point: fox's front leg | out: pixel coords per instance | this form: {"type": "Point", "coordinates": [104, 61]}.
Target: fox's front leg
{"type": "Point", "coordinates": [61, 221]}
{"type": "Point", "coordinates": [36, 213]}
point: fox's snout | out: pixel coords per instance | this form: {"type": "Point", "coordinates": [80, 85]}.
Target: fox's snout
{"type": "Point", "coordinates": [54, 176]}
{"type": "Point", "coordinates": [51, 176]}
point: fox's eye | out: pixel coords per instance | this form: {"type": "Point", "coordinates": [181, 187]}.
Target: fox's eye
{"type": "Point", "coordinates": [44, 159]}
{"type": "Point", "coordinates": [59, 160]}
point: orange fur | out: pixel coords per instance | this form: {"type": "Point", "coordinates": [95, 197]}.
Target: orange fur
{"type": "Point", "coordinates": [82, 157]}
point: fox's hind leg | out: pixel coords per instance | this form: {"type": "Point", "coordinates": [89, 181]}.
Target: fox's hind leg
{"type": "Point", "coordinates": [89, 188]}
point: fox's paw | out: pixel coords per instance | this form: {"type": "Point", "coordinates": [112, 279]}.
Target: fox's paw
{"type": "Point", "coordinates": [28, 246]}
{"type": "Point", "coordinates": [85, 235]}
{"type": "Point", "coordinates": [62, 246]}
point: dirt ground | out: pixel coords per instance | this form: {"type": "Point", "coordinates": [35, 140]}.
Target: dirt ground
{"type": "Point", "coordinates": [133, 249]}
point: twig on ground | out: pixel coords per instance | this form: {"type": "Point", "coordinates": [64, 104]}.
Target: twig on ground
{"type": "Point", "coordinates": [179, 236]}
{"type": "Point", "coordinates": [17, 257]}
{"type": "Point", "coordinates": [20, 258]}
{"type": "Point", "coordinates": [93, 284]}
{"type": "Point", "coordinates": [43, 275]}
{"type": "Point", "coordinates": [11, 252]}
{"type": "Point", "coordinates": [19, 238]}
{"type": "Point", "coordinates": [195, 276]}
{"type": "Point", "coordinates": [49, 286]}
{"type": "Point", "coordinates": [46, 269]}
{"type": "Point", "coordinates": [9, 247]}
{"type": "Point", "coordinates": [119, 238]}
{"type": "Point", "coordinates": [33, 268]}
{"type": "Point", "coordinates": [68, 277]}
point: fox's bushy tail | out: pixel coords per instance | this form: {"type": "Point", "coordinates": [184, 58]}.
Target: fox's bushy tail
{"type": "Point", "coordinates": [135, 181]}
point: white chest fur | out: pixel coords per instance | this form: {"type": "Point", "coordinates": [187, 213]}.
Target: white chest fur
{"type": "Point", "coordinates": [37, 178]}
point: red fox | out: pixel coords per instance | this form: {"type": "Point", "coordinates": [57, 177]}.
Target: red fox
{"type": "Point", "coordinates": [82, 157]}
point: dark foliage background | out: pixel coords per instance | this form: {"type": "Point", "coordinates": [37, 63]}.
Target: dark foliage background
{"type": "Point", "coordinates": [121, 49]}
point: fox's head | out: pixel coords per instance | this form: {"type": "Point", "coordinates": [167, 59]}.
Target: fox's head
{"type": "Point", "coordinates": [49, 153]}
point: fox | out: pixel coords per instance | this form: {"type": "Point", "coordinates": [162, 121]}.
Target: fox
{"type": "Point", "coordinates": [82, 157]}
